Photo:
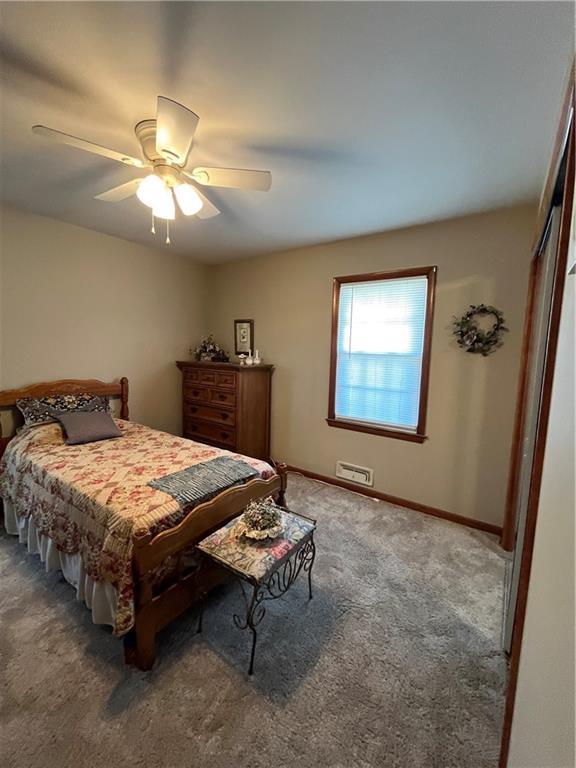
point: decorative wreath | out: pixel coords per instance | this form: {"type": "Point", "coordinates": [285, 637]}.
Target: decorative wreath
{"type": "Point", "coordinates": [472, 338]}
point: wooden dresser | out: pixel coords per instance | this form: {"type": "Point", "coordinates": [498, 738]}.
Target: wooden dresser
{"type": "Point", "coordinates": [227, 405]}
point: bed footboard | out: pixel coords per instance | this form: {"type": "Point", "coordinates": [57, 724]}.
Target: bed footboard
{"type": "Point", "coordinates": [155, 610]}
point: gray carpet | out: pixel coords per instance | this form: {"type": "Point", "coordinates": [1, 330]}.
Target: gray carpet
{"type": "Point", "coordinates": [395, 662]}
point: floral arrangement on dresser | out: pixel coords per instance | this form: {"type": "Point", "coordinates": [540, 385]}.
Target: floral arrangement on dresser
{"type": "Point", "coordinates": [210, 351]}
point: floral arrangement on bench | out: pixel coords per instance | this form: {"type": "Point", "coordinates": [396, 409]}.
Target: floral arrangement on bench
{"type": "Point", "coordinates": [262, 519]}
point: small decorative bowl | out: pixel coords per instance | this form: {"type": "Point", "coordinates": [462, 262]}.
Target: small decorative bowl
{"type": "Point", "coordinates": [264, 533]}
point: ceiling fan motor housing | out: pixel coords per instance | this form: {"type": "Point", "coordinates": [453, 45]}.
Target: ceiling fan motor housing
{"type": "Point", "coordinates": [145, 132]}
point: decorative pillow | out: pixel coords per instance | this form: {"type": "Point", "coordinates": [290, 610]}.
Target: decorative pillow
{"type": "Point", "coordinates": [43, 410]}
{"type": "Point", "coordinates": [88, 427]}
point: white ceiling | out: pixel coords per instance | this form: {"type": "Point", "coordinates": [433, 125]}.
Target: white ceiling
{"type": "Point", "coordinates": [370, 116]}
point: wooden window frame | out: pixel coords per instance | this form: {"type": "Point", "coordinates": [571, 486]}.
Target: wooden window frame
{"type": "Point", "coordinates": [419, 435]}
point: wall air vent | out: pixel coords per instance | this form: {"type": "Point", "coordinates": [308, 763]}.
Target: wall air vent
{"type": "Point", "coordinates": [354, 473]}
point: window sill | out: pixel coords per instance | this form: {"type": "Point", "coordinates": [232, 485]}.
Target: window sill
{"type": "Point", "coordinates": [398, 434]}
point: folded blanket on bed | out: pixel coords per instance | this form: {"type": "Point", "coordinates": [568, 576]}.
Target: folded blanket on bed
{"type": "Point", "coordinates": [203, 481]}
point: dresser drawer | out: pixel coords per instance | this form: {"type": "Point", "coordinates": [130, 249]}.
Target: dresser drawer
{"type": "Point", "coordinates": [225, 379]}
{"type": "Point", "coordinates": [191, 377]}
{"type": "Point", "coordinates": [195, 393]}
{"type": "Point", "coordinates": [217, 396]}
{"type": "Point", "coordinates": [200, 394]}
{"type": "Point", "coordinates": [207, 377]}
{"type": "Point", "coordinates": [201, 430]}
{"type": "Point", "coordinates": [209, 413]}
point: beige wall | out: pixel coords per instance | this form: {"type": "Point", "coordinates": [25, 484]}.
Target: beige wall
{"type": "Point", "coordinates": [78, 304]}
{"type": "Point", "coordinates": [463, 467]}
{"type": "Point", "coordinates": [543, 722]}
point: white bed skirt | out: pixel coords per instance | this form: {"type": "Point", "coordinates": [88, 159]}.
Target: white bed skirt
{"type": "Point", "coordinates": [100, 596]}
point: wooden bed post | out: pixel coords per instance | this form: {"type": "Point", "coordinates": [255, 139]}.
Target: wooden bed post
{"type": "Point", "coordinates": [124, 413]}
{"type": "Point", "coordinates": [3, 441]}
{"type": "Point", "coordinates": [140, 644]}
{"type": "Point", "coordinates": [281, 470]}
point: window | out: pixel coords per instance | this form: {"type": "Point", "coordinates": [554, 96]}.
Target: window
{"type": "Point", "coordinates": [381, 334]}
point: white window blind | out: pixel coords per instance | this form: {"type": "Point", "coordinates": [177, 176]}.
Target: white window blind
{"type": "Point", "coordinates": [380, 344]}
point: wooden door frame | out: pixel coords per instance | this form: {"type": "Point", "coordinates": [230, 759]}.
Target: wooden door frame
{"type": "Point", "coordinates": [507, 539]}
{"type": "Point", "coordinates": [564, 138]}
{"type": "Point", "coordinates": [565, 141]}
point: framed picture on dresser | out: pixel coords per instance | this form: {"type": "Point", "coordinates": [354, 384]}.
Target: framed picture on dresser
{"type": "Point", "coordinates": [243, 336]}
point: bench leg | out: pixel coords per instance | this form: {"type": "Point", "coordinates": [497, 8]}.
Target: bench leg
{"type": "Point", "coordinates": [252, 622]}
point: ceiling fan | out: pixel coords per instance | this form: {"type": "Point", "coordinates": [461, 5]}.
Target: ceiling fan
{"type": "Point", "coordinates": [165, 144]}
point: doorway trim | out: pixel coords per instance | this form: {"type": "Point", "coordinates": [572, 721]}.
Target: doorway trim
{"type": "Point", "coordinates": [563, 141]}
{"type": "Point", "coordinates": [563, 151]}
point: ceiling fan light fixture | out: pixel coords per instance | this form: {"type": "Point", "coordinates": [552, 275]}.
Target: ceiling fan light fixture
{"type": "Point", "coordinates": [165, 142]}
{"type": "Point", "coordinates": [188, 199]}
{"type": "Point", "coordinates": [151, 190]}
{"type": "Point", "coordinates": [164, 207]}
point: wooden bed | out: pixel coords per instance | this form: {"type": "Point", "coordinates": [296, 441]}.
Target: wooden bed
{"type": "Point", "coordinates": [156, 606]}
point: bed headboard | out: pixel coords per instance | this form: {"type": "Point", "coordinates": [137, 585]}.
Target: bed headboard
{"type": "Point", "coordinates": [119, 389]}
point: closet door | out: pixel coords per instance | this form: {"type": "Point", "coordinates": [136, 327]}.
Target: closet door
{"type": "Point", "coordinates": [541, 310]}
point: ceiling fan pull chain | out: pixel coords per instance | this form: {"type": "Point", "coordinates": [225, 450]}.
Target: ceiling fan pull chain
{"type": "Point", "coordinates": [153, 230]}
{"type": "Point", "coordinates": [167, 232]}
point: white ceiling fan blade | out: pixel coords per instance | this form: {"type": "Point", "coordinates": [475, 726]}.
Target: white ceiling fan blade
{"type": "Point", "coordinates": [120, 193]}
{"type": "Point", "coordinates": [87, 146]}
{"type": "Point", "coordinates": [175, 128]}
{"type": "Point", "coordinates": [236, 178]}
{"type": "Point", "coordinates": [208, 209]}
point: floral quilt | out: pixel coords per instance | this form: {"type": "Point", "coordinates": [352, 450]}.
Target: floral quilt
{"type": "Point", "coordinates": [89, 499]}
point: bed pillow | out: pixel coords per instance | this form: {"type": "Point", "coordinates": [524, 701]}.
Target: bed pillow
{"type": "Point", "coordinates": [88, 427]}
{"type": "Point", "coordinates": [43, 410]}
